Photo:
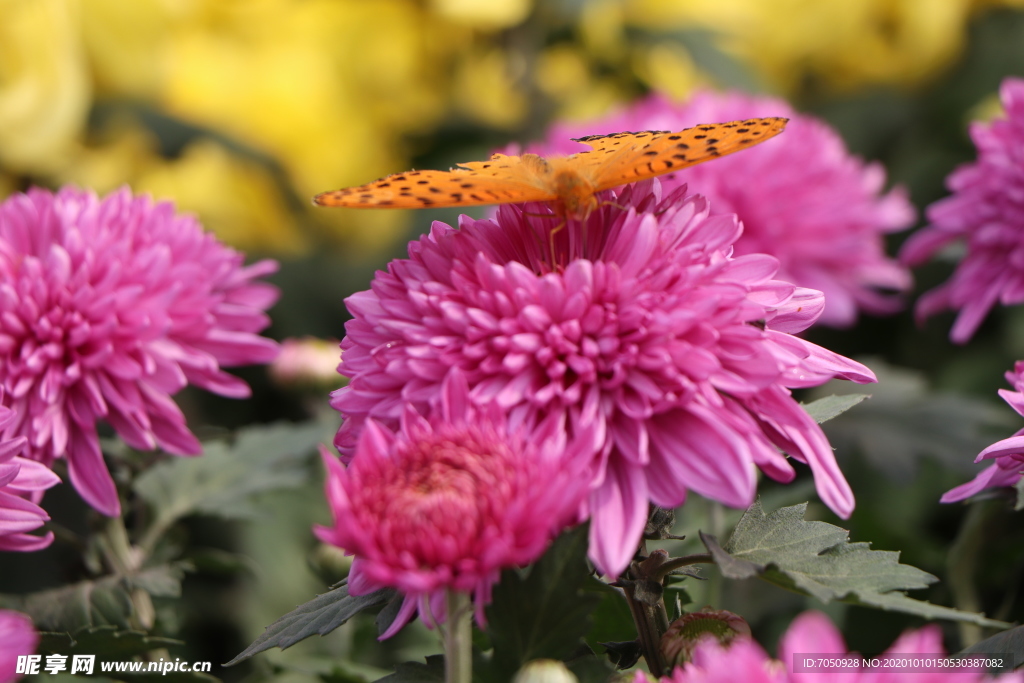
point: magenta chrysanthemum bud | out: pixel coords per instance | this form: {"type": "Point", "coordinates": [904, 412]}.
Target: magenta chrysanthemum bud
{"type": "Point", "coordinates": [985, 211]}
{"type": "Point", "coordinates": [801, 197]}
{"type": "Point", "coordinates": [22, 483]}
{"type": "Point", "coordinates": [447, 503]}
{"type": "Point", "coordinates": [18, 637]}
{"type": "Point", "coordinates": [1008, 453]}
{"type": "Point", "coordinates": [107, 308]}
{"type": "Point", "coordinates": [668, 360]}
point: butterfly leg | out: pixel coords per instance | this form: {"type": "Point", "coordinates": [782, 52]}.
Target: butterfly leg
{"type": "Point", "coordinates": [551, 234]}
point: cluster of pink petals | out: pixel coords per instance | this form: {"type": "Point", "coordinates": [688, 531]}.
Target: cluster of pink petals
{"type": "Point", "coordinates": [986, 210]}
{"type": "Point", "coordinates": [814, 633]}
{"type": "Point", "coordinates": [447, 503]}
{"type": "Point", "coordinates": [110, 306]}
{"type": "Point", "coordinates": [22, 483]}
{"type": "Point", "coordinates": [1008, 453]}
{"type": "Point", "coordinates": [667, 358]}
{"type": "Point", "coordinates": [17, 637]}
{"type": "Point", "coordinates": [801, 197]}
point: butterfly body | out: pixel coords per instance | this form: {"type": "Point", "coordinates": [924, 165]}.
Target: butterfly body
{"type": "Point", "coordinates": [570, 182]}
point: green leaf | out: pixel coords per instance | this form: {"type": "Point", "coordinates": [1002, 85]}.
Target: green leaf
{"type": "Point", "coordinates": [817, 559]}
{"type": "Point", "coordinates": [163, 581]}
{"type": "Point", "coordinates": [107, 642]}
{"type": "Point", "coordinates": [824, 409]}
{"type": "Point", "coordinates": [1009, 642]}
{"type": "Point", "coordinates": [320, 615]}
{"type": "Point", "coordinates": [415, 672]}
{"type": "Point", "coordinates": [226, 480]}
{"type": "Point", "coordinates": [105, 602]}
{"type": "Point", "coordinates": [545, 611]}
{"type": "Point", "coordinates": [110, 643]}
{"type": "Point", "coordinates": [611, 619]}
{"type": "Point", "coordinates": [591, 669]}
{"type": "Point", "coordinates": [93, 603]}
{"type": "Point", "coordinates": [906, 421]}
{"type": "Point", "coordinates": [170, 677]}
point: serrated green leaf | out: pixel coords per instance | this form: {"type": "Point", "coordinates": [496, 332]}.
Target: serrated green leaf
{"type": "Point", "coordinates": [106, 642]}
{"type": "Point", "coordinates": [545, 613]}
{"type": "Point", "coordinates": [319, 616]}
{"type": "Point", "coordinates": [105, 602]}
{"type": "Point", "coordinates": [824, 409]}
{"type": "Point", "coordinates": [101, 602]}
{"type": "Point", "coordinates": [817, 559]}
{"type": "Point", "coordinates": [226, 479]}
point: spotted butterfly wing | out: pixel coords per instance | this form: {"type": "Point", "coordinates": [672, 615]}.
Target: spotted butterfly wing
{"type": "Point", "coordinates": [613, 160]}
{"type": "Point", "coordinates": [499, 180]}
{"type": "Point", "coordinates": [623, 158]}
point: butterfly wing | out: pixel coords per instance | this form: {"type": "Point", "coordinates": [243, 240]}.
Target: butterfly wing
{"type": "Point", "coordinates": [628, 157]}
{"type": "Point", "coordinates": [500, 180]}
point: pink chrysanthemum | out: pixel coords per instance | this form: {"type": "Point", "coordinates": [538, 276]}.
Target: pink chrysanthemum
{"type": "Point", "coordinates": [17, 637]}
{"type": "Point", "coordinates": [1008, 453]}
{"type": "Point", "coordinates": [801, 197]}
{"type": "Point", "coordinates": [22, 483]}
{"type": "Point", "coordinates": [812, 633]}
{"type": "Point", "coordinates": [447, 503]}
{"type": "Point", "coordinates": [987, 212]}
{"type": "Point", "coordinates": [668, 357]}
{"type": "Point", "coordinates": [110, 306]}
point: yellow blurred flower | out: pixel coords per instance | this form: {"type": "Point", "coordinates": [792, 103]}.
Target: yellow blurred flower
{"type": "Point", "coordinates": [44, 89]}
{"type": "Point", "coordinates": [564, 75]}
{"type": "Point", "coordinates": [667, 67]}
{"type": "Point", "coordinates": [126, 43]}
{"type": "Point", "coordinates": [486, 89]}
{"type": "Point", "coordinates": [234, 197]}
{"type": "Point", "coordinates": [486, 14]}
{"type": "Point", "coordinates": [839, 43]}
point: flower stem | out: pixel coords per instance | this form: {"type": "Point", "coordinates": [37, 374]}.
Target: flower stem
{"type": "Point", "coordinates": [962, 562]}
{"type": "Point", "coordinates": [126, 560]}
{"type": "Point", "coordinates": [458, 638]}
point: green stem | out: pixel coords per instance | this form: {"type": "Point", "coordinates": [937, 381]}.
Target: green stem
{"type": "Point", "coordinates": [126, 561]}
{"type": "Point", "coordinates": [961, 564]}
{"type": "Point", "coordinates": [458, 638]}
{"type": "Point", "coordinates": [679, 562]}
{"type": "Point", "coordinates": [651, 622]}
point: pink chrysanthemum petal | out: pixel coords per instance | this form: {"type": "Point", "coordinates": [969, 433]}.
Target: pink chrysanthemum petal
{"type": "Point", "coordinates": [652, 345]}
{"type": "Point", "coordinates": [22, 483]}
{"type": "Point", "coordinates": [447, 502]}
{"type": "Point", "coordinates": [110, 306]}
{"type": "Point", "coordinates": [18, 637]}
{"type": "Point", "coordinates": [801, 197]}
{"type": "Point", "coordinates": [1008, 453]}
{"type": "Point", "coordinates": [984, 211]}
{"type": "Point", "coordinates": [813, 635]}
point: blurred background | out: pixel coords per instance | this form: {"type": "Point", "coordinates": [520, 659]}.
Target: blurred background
{"type": "Point", "coordinates": [241, 110]}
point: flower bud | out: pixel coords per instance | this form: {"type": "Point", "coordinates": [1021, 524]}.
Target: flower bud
{"type": "Point", "coordinates": [307, 363]}
{"type": "Point", "coordinates": [685, 632]}
{"type": "Point", "coordinates": [544, 671]}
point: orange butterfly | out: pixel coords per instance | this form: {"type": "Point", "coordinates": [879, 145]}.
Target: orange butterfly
{"type": "Point", "coordinates": [571, 182]}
